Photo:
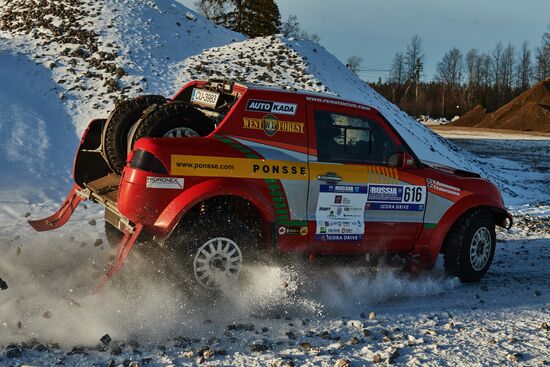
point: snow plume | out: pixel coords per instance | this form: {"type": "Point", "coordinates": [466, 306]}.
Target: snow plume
{"type": "Point", "coordinates": [50, 277]}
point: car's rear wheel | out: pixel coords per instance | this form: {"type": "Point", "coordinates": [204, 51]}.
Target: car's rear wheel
{"type": "Point", "coordinates": [214, 249]}
{"type": "Point", "coordinates": [470, 246]}
{"type": "Point", "coordinates": [173, 120]}
{"type": "Point", "coordinates": [119, 124]}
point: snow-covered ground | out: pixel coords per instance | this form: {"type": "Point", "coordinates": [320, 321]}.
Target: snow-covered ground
{"type": "Point", "coordinates": [64, 63]}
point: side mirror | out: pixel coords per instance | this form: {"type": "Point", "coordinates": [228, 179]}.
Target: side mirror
{"type": "Point", "coordinates": [401, 160]}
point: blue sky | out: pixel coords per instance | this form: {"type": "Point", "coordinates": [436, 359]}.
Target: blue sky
{"type": "Point", "coordinates": [377, 29]}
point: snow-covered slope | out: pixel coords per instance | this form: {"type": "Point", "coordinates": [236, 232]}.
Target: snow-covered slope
{"type": "Point", "coordinates": [37, 136]}
{"type": "Point", "coordinates": [101, 51]}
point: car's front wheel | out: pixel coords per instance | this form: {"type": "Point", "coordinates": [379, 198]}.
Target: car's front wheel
{"type": "Point", "coordinates": [470, 246]}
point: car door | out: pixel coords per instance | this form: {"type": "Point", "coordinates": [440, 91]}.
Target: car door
{"type": "Point", "coordinates": [358, 199]}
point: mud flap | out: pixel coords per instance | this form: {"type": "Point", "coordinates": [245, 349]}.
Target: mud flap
{"type": "Point", "coordinates": [60, 217]}
{"type": "Point", "coordinates": [123, 250]}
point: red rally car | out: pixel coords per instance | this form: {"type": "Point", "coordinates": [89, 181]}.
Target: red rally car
{"type": "Point", "coordinates": [224, 172]}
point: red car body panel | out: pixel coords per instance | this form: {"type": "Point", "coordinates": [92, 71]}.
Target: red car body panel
{"type": "Point", "coordinates": [265, 151]}
{"type": "Point", "coordinates": [239, 136]}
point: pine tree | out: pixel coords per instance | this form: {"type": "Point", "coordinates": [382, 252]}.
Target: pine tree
{"type": "Point", "coordinates": [253, 18]}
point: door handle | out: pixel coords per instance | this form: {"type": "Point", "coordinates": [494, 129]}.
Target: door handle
{"type": "Point", "coordinates": [329, 177]}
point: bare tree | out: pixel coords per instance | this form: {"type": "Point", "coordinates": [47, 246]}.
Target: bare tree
{"type": "Point", "coordinates": [313, 37]}
{"type": "Point", "coordinates": [524, 67]}
{"type": "Point", "coordinates": [485, 70]}
{"type": "Point", "coordinates": [291, 26]}
{"type": "Point", "coordinates": [496, 65]}
{"type": "Point", "coordinates": [508, 65]}
{"type": "Point", "coordinates": [397, 71]}
{"type": "Point", "coordinates": [354, 63]}
{"type": "Point", "coordinates": [414, 63]}
{"type": "Point", "coordinates": [543, 57]}
{"type": "Point", "coordinates": [450, 68]}
{"type": "Point", "coordinates": [414, 58]}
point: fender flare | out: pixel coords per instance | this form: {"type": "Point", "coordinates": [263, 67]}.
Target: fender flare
{"type": "Point", "coordinates": [430, 242]}
{"type": "Point", "coordinates": [172, 214]}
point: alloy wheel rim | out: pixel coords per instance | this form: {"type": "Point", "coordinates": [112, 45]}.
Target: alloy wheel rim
{"type": "Point", "coordinates": [218, 258]}
{"type": "Point", "coordinates": [480, 248]}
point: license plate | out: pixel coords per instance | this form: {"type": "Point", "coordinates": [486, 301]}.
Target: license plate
{"type": "Point", "coordinates": [204, 98]}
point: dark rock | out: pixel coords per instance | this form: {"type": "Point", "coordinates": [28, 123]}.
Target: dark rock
{"type": "Point", "coordinates": [47, 315]}
{"type": "Point", "coordinates": [241, 327]}
{"type": "Point", "coordinates": [105, 339]}
{"type": "Point", "coordinates": [40, 348]}
{"type": "Point", "coordinates": [181, 342]}
{"type": "Point", "coordinates": [116, 350]}
{"type": "Point", "coordinates": [305, 346]}
{"type": "Point", "coordinates": [14, 352]}
{"type": "Point", "coordinates": [92, 222]}
{"type": "Point", "coordinates": [3, 284]}
{"type": "Point", "coordinates": [258, 347]}
{"type": "Point", "coordinates": [98, 242]}
{"type": "Point", "coordinates": [290, 335]}
{"type": "Point", "coordinates": [77, 350]}
{"type": "Point", "coordinates": [146, 360]}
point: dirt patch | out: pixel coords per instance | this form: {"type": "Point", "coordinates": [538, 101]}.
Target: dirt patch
{"type": "Point", "coordinates": [472, 117]}
{"type": "Point", "coordinates": [530, 111]}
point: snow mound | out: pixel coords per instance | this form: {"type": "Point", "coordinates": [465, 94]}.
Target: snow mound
{"type": "Point", "coordinates": [102, 51]}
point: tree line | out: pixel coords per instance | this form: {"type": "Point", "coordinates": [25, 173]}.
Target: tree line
{"type": "Point", "coordinates": [462, 81]}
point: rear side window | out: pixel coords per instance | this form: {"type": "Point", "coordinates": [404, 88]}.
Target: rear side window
{"type": "Point", "coordinates": [344, 138]}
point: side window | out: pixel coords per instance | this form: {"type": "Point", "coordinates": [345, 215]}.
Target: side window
{"type": "Point", "coordinates": [343, 138]}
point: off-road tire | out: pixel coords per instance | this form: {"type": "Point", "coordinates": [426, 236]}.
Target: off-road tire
{"type": "Point", "coordinates": [460, 240]}
{"type": "Point", "coordinates": [118, 125]}
{"type": "Point", "coordinates": [158, 122]}
{"type": "Point", "coordinates": [187, 240]}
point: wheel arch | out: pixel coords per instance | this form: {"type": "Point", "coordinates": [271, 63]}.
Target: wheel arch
{"type": "Point", "coordinates": [242, 197]}
{"type": "Point", "coordinates": [432, 241]}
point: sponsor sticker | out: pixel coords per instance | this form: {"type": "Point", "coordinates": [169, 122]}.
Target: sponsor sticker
{"type": "Point", "coordinates": [385, 193]}
{"type": "Point", "coordinates": [270, 124]}
{"type": "Point", "coordinates": [340, 213]}
{"type": "Point", "coordinates": [396, 197]}
{"type": "Point", "coordinates": [271, 107]}
{"type": "Point", "coordinates": [293, 231]}
{"type": "Point", "coordinates": [205, 166]}
{"type": "Point", "coordinates": [440, 186]}
{"type": "Point", "coordinates": [154, 182]}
